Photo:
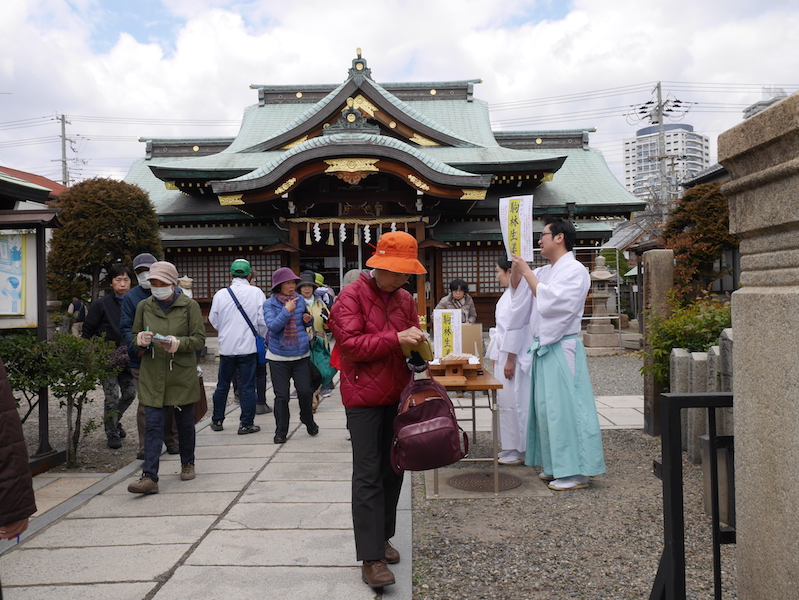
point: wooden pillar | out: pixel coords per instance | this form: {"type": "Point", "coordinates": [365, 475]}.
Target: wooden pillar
{"type": "Point", "coordinates": [294, 240]}
{"type": "Point", "coordinates": [421, 305]}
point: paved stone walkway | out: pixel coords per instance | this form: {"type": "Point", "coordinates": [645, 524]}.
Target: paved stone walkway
{"type": "Point", "coordinates": [260, 521]}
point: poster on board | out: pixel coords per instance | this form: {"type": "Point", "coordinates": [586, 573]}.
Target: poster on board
{"type": "Point", "coordinates": [12, 281]}
{"type": "Point", "coordinates": [516, 220]}
{"type": "Point", "coordinates": [446, 332]}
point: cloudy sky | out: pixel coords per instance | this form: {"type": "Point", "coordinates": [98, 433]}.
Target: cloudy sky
{"type": "Point", "coordinates": [120, 69]}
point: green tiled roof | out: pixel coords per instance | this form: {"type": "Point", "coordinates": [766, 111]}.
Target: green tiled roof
{"type": "Point", "coordinates": [348, 139]}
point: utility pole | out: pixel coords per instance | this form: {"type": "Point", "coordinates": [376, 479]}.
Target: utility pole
{"type": "Point", "coordinates": [64, 168]}
{"type": "Point", "coordinates": [657, 111]}
{"type": "Point", "coordinates": [665, 194]}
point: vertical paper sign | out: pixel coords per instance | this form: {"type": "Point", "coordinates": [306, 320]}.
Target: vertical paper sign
{"type": "Point", "coordinates": [12, 280]}
{"type": "Point", "coordinates": [447, 332]}
{"type": "Point", "coordinates": [516, 219]}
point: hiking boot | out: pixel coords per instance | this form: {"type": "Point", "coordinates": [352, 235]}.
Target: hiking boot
{"type": "Point", "coordinates": [122, 433]}
{"type": "Point", "coordinates": [187, 472]}
{"type": "Point", "coordinates": [245, 429]}
{"type": "Point", "coordinates": [376, 574]}
{"type": "Point", "coordinates": [145, 485]}
{"type": "Point", "coordinates": [114, 442]}
{"type": "Point", "coordinates": [173, 450]}
{"type": "Point", "coordinates": [262, 409]}
{"type": "Point", "coordinates": [392, 554]}
{"type": "Point", "coordinates": [216, 426]}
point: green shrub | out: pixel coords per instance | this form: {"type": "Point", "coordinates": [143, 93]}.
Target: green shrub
{"type": "Point", "coordinates": [28, 366]}
{"type": "Point", "coordinates": [80, 365]}
{"type": "Point", "coordinates": [695, 328]}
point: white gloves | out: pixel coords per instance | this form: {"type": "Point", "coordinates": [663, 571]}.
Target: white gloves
{"type": "Point", "coordinates": [143, 338]}
{"type": "Point", "coordinates": [171, 345]}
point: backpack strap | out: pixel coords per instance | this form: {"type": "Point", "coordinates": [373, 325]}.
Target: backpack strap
{"type": "Point", "coordinates": [243, 314]}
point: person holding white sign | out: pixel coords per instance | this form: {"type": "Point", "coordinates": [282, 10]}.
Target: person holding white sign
{"type": "Point", "coordinates": [563, 435]}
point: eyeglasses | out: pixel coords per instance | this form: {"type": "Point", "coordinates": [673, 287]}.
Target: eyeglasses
{"type": "Point", "coordinates": [548, 233]}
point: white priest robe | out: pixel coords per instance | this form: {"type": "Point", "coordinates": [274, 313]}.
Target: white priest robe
{"type": "Point", "coordinates": [563, 435]}
{"type": "Point", "coordinates": [512, 335]}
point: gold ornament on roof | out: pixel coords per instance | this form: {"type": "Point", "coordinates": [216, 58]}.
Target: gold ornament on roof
{"type": "Point", "coordinates": [362, 104]}
{"type": "Point", "coordinates": [418, 182]}
{"type": "Point", "coordinates": [286, 186]}
{"type": "Point", "coordinates": [351, 165]}
{"type": "Point", "coordinates": [473, 194]}
{"type": "Point", "coordinates": [422, 141]}
{"type": "Point", "coordinates": [171, 185]}
{"type": "Point", "coordinates": [231, 200]}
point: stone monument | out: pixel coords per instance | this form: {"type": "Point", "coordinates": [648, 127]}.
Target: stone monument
{"type": "Point", "coordinates": [762, 157]}
{"type": "Point", "coordinates": [600, 332]}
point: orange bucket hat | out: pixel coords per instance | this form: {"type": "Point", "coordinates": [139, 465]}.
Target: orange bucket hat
{"type": "Point", "coordinates": [397, 252]}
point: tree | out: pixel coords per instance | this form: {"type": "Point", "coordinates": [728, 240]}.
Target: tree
{"type": "Point", "coordinates": [78, 367]}
{"type": "Point", "coordinates": [698, 231]}
{"type": "Point", "coordinates": [104, 222]}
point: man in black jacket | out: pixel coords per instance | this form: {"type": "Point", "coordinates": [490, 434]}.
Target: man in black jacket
{"type": "Point", "coordinates": [103, 317]}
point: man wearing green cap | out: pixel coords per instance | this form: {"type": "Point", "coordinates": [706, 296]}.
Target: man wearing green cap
{"type": "Point", "coordinates": [235, 312]}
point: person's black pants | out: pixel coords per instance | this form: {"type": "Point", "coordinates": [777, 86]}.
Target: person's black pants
{"type": "Point", "coordinates": [375, 486]}
{"type": "Point", "coordinates": [283, 371]}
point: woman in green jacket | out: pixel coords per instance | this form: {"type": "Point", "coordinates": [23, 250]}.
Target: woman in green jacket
{"type": "Point", "coordinates": [168, 375]}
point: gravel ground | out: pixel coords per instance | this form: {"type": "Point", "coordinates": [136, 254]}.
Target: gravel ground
{"type": "Point", "coordinates": [599, 543]}
{"type": "Point", "coordinates": [93, 453]}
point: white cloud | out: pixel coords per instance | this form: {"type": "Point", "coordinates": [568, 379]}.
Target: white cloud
{"type": "Point", "coordinates": [205, 54]}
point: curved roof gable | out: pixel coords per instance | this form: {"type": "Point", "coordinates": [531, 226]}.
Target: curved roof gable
{"type": "Point", "coordinates": [352, 144]}
{"type": "Point", "coordinates": [375, 98]}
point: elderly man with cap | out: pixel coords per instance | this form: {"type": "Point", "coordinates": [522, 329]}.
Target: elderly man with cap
{"type": "Point", "coordinates": [371, 318]}
{"type": "Point", "coordinates": [169, 328]}
{"type": "Point", "coordinates": [236, 315]}
{"type": "Point", "coordinates": [141, 268]}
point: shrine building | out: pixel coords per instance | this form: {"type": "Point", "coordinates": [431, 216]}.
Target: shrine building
{"type": "Point", "coordinates": [318, 172]}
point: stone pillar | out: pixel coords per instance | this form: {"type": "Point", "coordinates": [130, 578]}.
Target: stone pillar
{"type": "Point", "coordinates": [725, 380]}
{"type": "Point", "coordinates": [680, 383]}
{"type": "Point", "coordinates": [762, 157]}
{"type": "Point", "coordinates": [696, 417]}
{"type": "Point", "coordinates": [658, 279]}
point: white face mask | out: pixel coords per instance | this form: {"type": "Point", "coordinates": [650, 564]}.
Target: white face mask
{"type": "Point", "coordinates": [143, 281]}
{"type": "Point", "coordinates": [163, 293]}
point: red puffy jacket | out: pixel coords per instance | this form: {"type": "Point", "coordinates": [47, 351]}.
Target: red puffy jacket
{"type": "Point", "coordinates": [373, 370]}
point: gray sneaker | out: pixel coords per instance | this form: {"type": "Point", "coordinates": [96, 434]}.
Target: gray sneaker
{"type": "Point", "coordinates": [145, 485]}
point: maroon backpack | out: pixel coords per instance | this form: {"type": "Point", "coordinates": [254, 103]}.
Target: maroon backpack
{"type": "Point", "coordinates": [426, 432]}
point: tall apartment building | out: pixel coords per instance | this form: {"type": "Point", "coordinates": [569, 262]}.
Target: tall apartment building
{"type": "Point", "coordinates": [686, 153]}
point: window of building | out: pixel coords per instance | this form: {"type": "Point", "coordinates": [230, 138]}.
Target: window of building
{"type": "Point", "coordinates": [212, 272]}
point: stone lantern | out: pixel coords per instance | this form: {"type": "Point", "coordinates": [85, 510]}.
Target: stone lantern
{"type": "Point", "coordinates": [600, 332]}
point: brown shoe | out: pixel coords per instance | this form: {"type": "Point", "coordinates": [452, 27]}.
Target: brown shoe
{"type": "Point", "coordinates": [392, 554]}
{"type": "Point", "coordinates": [376, 574]}
{"type": "Point", "coordinates": [187, 472]}
{"type": "Point", "coordinates": [145, 485]}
